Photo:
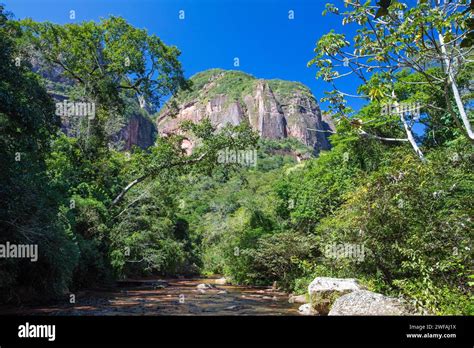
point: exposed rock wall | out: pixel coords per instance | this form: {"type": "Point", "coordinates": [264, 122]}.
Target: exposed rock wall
{"type": "Point", "coordinates": [139, 131]}
{"type": "Point", "coordinates": [276, 109]}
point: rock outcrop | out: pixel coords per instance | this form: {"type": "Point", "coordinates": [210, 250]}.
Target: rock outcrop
{"type": "Point", "coordinates": [276, 109]}
{"type": "Point", "coordinates": [365, 302]}
{"type": "Point", "coordinates": [323, 292]}
{"type": "Point", "coordinates": [139, 131]}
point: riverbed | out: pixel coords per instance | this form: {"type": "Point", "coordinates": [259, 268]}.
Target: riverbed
{"type": "Point", "coordinates": [158, 297]}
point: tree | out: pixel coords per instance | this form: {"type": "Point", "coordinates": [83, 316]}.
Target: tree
{"type": "Point", "coordinates": [413, 220]}
{"type": "Point", "coordinates": [170, 156]}
{"type": "Point", "coordinates": [29, 207]}
{"type": "Point", "coordinates": [106, 62]}
{"type": "Point", "coordinates": [390, 39]}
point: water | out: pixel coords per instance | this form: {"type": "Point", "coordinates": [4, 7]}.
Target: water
{"type": "Point", "coordinates": [172, 297]}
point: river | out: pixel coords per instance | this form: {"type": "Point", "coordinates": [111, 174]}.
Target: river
{"type": "Point", "coordinates": [171, 297]}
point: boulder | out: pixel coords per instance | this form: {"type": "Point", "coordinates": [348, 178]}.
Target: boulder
{"type": "Point", "coordinates": [306, 310]}
{"type": "Point", "coordinates": [365, 302]}
{"type": "Point", "coordinates": [323, 291]}
{"type": "Point", "coordinates": [233, 308]}
{"type": "Point", "coordinates": [159, 284]}
{"type": "Point", "coordinates": [297, 299]}
{"type": "Point", "coordinates": [203, 286]}
{"type": "Point", "coordinates": [220, 281]}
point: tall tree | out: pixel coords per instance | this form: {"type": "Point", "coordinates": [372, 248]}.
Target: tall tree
{"type": "Point", "coordinates": [29, 207]}
{"type": "Point", "coordinates": [392, 37]}
{"type": "Point", "coordinates": [107, 62]}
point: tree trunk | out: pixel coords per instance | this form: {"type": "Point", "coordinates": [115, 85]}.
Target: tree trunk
{"type": "Point", "coordinates": [454, 87]}
{"type": "Point", "coordinates": [408, 131]}
{"type": "Point", "coordinates": [411, 139]}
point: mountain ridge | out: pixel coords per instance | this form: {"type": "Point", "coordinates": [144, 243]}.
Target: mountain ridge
{"type": "Point", "coordinates": [275, 108]}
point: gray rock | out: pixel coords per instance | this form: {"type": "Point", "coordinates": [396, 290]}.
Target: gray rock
{"type": "Point", "coordinates": [233, 308]}
{"type": "Point", "coordinates": [323, 291]}
{"type": "Point", "coordinates": [365, 302]}
{"type": "Point", "coordinates": [306, 310]}
{"type": "Point", "coordinates": [297, 299]}
{"type": "Point", "coordinates": [220, 281]}
{"type": "Point", "coordinates": [160, 285]}
{"type": "Point", "coordinates": [203, 286]}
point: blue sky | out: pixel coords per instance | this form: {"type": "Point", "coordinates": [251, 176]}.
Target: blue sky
{"type": "Point", "coordinates": [214, 32]}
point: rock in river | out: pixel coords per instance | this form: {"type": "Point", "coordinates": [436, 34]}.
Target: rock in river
{"type": "Point", "coordinates": [324, 291]}
{"type": "Point", "coordinates": [365, 302]}
{"type": "Point", "coordinates": [297, 299]}
{"type": "Point", "coordinates": [204, 286]}
{"type": "Point", "coordinates": [220, 281]}
{"type": "Point", "coordinates": [306, 310]}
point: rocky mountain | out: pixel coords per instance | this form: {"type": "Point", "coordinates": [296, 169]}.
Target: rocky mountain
{"type": "Point", "coordinates": [276, 109]}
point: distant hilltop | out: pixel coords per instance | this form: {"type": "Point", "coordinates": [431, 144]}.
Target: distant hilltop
{"type": "Point", "coordinates": [276, 109]}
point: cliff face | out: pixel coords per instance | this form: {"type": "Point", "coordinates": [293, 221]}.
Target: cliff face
{"type": "Point", "coordinates": [134, 128]}
{"type": "Point", "coordinates": [276, 109]}
{"type": "Point", "coordinates": [139, 131]}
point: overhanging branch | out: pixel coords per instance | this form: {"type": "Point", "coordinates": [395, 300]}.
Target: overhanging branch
{"type": "Point", "coordinates": [364, 134]}
{"type": "Point", "coordinates": [151, 174]}
{"type": "Point", "coordinates": [373, 136]}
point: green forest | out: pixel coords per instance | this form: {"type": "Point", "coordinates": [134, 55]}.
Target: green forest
{"type": "Point", "coordinates": [99, 213]}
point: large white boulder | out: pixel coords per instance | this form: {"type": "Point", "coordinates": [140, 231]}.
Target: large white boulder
{"type": "Point", "coordinates": [323, 291]}
{"type": "Point", "coordinates": [365, 302]}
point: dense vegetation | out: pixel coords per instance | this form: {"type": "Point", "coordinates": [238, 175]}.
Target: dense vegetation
{"type": "Point", "coordinates": [99, 214]}
{"type": "Point", "coordinates": [235, 85]}
{"type": "Point", "coordinates": [275, 223]}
